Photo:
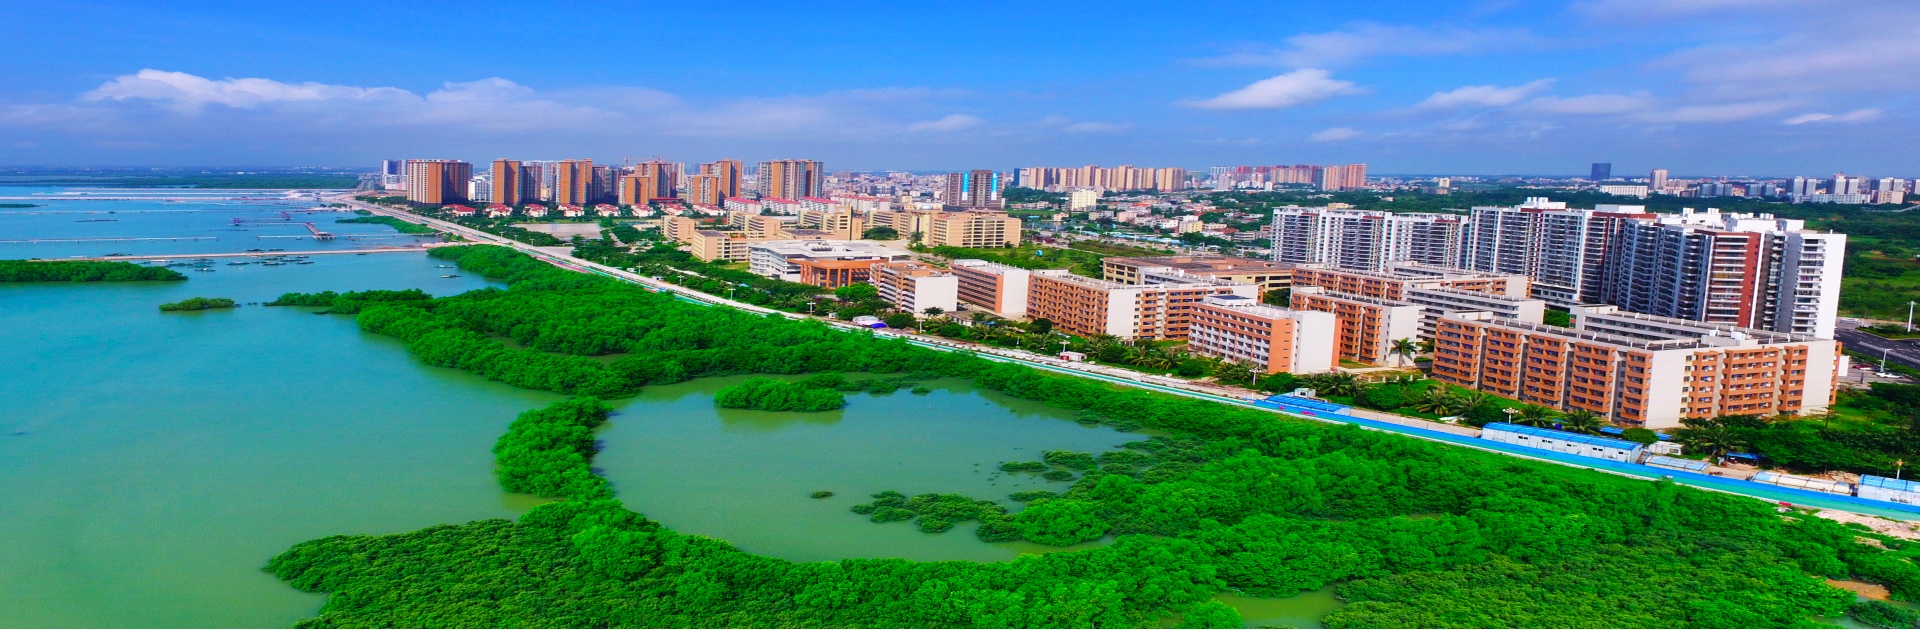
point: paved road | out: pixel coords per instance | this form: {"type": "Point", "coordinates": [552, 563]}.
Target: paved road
{"type": "Point", "coordinates": [1413, 428]}
{"type": "Point", "coordinates": [1903, 351]}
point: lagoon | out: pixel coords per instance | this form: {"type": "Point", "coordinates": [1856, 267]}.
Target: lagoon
{"type": "Point", "coordinates": [150, 463]}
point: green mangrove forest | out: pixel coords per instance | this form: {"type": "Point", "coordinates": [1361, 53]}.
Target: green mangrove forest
{"type": "Point", "coordinates": [82, 271]}
{"type": "Point", "coordinates": [1219, 499]}
{"type": "Point", "coordinates": [198, 304]}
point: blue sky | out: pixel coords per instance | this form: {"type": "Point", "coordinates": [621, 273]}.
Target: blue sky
{"type": "Point", "coordinates": [1725, 87]}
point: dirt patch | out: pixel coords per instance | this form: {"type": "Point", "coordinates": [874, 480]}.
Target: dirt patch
{"type": "Point", "coordinates": [1897, 529]}
{"type": "Point", "coordinates": [1869, 591]}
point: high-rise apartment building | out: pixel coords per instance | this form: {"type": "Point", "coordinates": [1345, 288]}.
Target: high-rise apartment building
{"type": "Point", "coordinates": [1729, 269]}
{"type": "Point", "coordinates": [1123, 177]}
{"type": "Point", "coordinates": [638, 190]}
{"type": "Point", "coordinates": [1658, 180]}
{"type": "Point", "coordinates": [1566, 251]}
{"type": "Point", "coordinates": [665, 177]}
{"type": "Point", "coordinates": [437, 182]}
{"type": "Point", "coordinates": [716, 182]}
{"type": "Point", "coordinates": [572, 182]}
{"type": "Point", "coordinates": [791, 179]}
{"type": "Point", "coordinates": [705, 190]}
{"type": "Point", "coordinates": [974, 190]}
{"type": "Point", "coordinates": [1363, 239]}
{"type": "Point", "coordinates": [729, 172]}
{"type": "Point", "coordinates": [1841, 184]}
{"type": "Point", "coordinates": [1602, 171]}
{"type": "Point", "coordinates": [508, 181]}
{"type": "Point", "coordinates": [1343, 177]}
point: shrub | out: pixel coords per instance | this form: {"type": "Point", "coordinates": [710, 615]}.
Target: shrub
{"type": "Point", "coordinates": [767, 394]}
{"type": "Point", "coordinates": [197, 304]}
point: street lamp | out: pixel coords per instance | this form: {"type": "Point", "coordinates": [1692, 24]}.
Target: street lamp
{"type": "Point", "coordinates": [1910, 304]}
{"type": "Point", "coordinates": [1510, 411]}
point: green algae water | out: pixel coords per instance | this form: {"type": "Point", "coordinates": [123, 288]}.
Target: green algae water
{"type": "Point", "coordinates": [151, 463]}
{"type": "Point", "coordinates": [746, 476]}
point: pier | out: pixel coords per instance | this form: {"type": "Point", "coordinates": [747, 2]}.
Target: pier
{"type": "Point", "coordinates": [376, 250]}
{"type": "Point", "coordinates": [108, 239]}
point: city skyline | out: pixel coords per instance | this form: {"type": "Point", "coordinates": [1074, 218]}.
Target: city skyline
{"type": "Point", "coordinates": [1765, 87]}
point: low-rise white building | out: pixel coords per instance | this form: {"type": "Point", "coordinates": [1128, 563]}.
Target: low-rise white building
{"type": "Point", "coordinates": [783, 259]}
{"type": "Point", "coordinates": [1563, 442]}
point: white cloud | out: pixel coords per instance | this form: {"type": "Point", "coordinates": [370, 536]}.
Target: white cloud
{"type": "Point", "coordinates": [1719, 113]}
{"type": "Point", "coordinates": [1484, 95]}
{"type": "Point", "coordinates": [1366, 40]}
{"type": "Point", "coordinates": [1589, 105]}
{"type": "Point", "coordinates": [1094, 126]}
{"type": "Point", "coordinates": [157, 102]}
{"type": "Point", "coordinates": [1335, 134]}
{"type": "Point", "coordinates": [951, 122]}
{"type": "Point", "coordinates": [187, 91]}
{"type": "Point", "coordinates": [1300, 87]}
{"type": "Point", "coordinates": [1640, 10]}
{"type": "Point", "coordinates": [1858, 115]}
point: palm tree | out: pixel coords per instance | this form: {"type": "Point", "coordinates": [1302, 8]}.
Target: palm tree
{"type": "Point", "coordinates": [1581, 421]}
{"type": "Point", "coordinates": [1468, 400]}
{"type": "Point", "coordinates": [933, 311]}
{"type": "Point", "coordinates": [1404, 348]}
{"type": "Point", "coordinates": [1336, 384]}
{"type": "Point", "coordinates": [1714, 440]}
{"type": "Point", "coordinates": [1438, 401]}
{"type": "Point", "coordinates": [1234, 372]}
{"type": "Point", "coordinates": [1535, 416]}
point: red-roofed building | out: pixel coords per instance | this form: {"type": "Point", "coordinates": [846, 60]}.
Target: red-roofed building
{"type": "Point", "coordinates": [607, 210]}
{"type": "Point", "coordinates": [777, 205]}
{"type": "Point", "coordinates": [498, 210]}
{"type": "Point", "coordinates": [459, 210]}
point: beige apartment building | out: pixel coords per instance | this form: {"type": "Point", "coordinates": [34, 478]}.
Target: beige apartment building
{"type": "Point", "coordinates": [997, 288]}
{"type": "Point", "coordinates": [711, 245]}
{"type": "Point", "coordinates": [1639, 370]}
{"type": "Point", "coordinates": [1267, 275]}
{"type": "Point", "coordinates": [1273, 339]}
{"type": "Point", "coordinates": [954, 229]}
{"type": "Point", "coordinates": [841, 225]}
{"type": "Point", "coordinates": [914, 287]}
{"type": "Point", "coordinates": [1088, 306]}
{"type": "Point", "coordinates": [1393, 282]}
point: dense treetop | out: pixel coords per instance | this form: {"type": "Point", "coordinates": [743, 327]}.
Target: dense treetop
{"type": "Point", "coordinates": [1224, 499]}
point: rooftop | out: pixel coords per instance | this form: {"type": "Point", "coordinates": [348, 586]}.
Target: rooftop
{"type": "Point", "coordinates": [1248, 306]}
{"type": "Point", "coordinates": [1201, 265]}
{"type": "Point", "coordinates": [829, 249]}
{"type": "Point", "coordinates": [1577, 438]}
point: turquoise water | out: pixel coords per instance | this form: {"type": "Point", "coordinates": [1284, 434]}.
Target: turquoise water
{"type": "Point", "coordinates": [57, 224]}
{"type": "Point", "coordinates": [151, 463]}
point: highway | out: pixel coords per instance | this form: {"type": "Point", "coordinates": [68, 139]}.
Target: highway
{"type": "Point", "coordinates": [1902, 351]}
{"type": "Point", "coordinates": [1409, 428]}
